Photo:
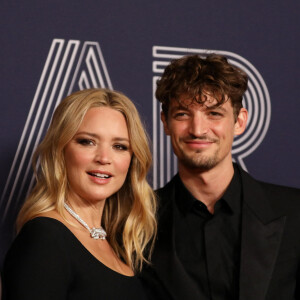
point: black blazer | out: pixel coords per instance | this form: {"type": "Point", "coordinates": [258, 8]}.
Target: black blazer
{"type": "Point", "coordinates": [270, 246]}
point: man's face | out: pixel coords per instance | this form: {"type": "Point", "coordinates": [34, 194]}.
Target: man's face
{"type": "Point", "coordinates": [201, 135]}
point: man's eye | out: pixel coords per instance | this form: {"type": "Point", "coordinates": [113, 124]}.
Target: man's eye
{"type": "Point", "coordinates": [180, 115]}
{"type": "Point", "coordinates": [85, 142]}
{"type": "Point", "coordinates": [215, 114]}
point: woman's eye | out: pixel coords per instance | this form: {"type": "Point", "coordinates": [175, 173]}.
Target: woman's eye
{"type": "Point", "coordinates": [85, 142]}
{"type": "Point", "coordinates": [121, 147]}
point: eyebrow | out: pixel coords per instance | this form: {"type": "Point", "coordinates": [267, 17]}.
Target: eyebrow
{"type": "Point", "coordinates": [186, 108]}
{"type": "Point", "coordinates": [218, 108]}
{"type": "Point", "coordinates": [178, 107]}
{"type": "Point", "coordinates": [94, 135]}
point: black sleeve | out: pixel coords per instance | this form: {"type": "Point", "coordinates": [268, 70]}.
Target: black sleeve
{"type": "Point", "coordinates": [36, 266]}
{"type": "Point", "coordinates": [153, 288]}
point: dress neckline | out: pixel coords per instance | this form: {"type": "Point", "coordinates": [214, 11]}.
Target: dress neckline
{"type": "Point", "coordinates": [76, 240]}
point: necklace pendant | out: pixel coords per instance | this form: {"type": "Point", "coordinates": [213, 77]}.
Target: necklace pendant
{"type": "Point", "coordinates": [98, 233]}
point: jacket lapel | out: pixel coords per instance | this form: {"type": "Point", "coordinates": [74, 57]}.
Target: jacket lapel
{"type": "Point", "coordinates": [262, 231]}
{"type": "Point", "coordinates": [168, 267]}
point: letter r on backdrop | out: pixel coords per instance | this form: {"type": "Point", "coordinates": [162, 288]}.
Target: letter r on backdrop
{"type": "Point", "coordinates": [256, 101]}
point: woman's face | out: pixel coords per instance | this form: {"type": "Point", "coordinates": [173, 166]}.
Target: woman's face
{"type": "Point", "coordinates": [98, 157]}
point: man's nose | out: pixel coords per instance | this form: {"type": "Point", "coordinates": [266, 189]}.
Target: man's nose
{"type": "Point", "coordinates": [198, 125]}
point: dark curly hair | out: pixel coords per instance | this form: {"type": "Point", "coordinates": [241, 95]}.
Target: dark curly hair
{"type": "Point", "coordinates": [193, 75]}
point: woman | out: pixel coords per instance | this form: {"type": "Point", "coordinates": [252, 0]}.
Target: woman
{"type": "Point", "coordinates": [91, 214]}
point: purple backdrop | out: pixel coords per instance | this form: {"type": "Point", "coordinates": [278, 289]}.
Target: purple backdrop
{"type": "Point", "coordinates": [50, 48]}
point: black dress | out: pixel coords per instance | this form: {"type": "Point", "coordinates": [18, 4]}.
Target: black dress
{"type": "Point", "coordinates": [46, 261]}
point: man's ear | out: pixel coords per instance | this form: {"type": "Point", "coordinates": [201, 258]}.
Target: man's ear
{"type": "Point", "coordinates": [165, 122]}
{"type": "Point", "coordinates": [241, 121]}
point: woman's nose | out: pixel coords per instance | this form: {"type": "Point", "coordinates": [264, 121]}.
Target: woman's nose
{"type": "Point", "coordinates": [103, 156]}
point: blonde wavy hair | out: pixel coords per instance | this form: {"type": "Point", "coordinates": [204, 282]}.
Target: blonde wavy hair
{"type": "Point", "coordinates": [129, 215]}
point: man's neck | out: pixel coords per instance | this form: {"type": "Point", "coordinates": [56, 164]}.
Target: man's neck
{"type": "Point", "coordinates": [207, 186]}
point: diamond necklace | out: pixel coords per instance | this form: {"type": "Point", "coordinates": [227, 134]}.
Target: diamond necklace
{"type": "Point", "coordinates": [96, 233]}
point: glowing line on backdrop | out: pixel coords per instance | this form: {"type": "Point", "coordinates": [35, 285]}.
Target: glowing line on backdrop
{"type": "Point", "coordinates": [90, 68]}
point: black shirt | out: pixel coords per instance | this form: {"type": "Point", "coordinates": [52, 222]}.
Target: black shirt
{"type": "Point", "coordinates": [208, 245]}
{"type": "Point", "coordinates": [46, 261]}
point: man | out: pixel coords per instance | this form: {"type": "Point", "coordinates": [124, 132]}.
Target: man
{"type": "Point", "coordinates": [221, 233]}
